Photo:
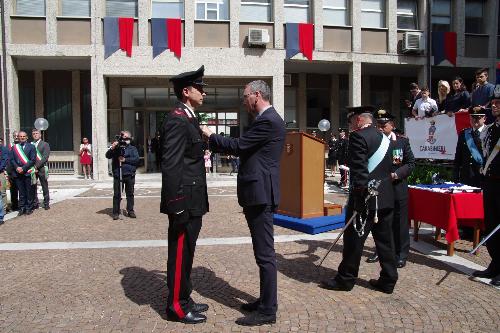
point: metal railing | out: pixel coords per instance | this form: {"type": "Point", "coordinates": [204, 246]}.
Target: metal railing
{"type": "Point", "coordinates": [61, 167]}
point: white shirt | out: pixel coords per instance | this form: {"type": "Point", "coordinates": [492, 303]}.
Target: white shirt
{"type": "Point", "coordinates": [191, 113]}
{"type": "Point", "coordinates": [422, 106]}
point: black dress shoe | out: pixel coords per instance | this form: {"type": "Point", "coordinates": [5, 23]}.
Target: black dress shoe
{"type": "Point", "coordinates": [495, 281]}
{"type": "Point", "coordinates": [190, 318]}
{"type": "Point", "coordinates": [199, 307]}
{"type": "Point", "coordinates": [250, 307]}
{"type": "Point", "coordinates": [400, 263]}
{"type": "Point", "coordinates": [373, 258]}
{"type": "Point", "coordinates": [333, 284]}
{"type": "Point", "coordinates": [131, 214]}
{"type": "Point", "coordinates": [2, 222]}
{"type": "Point", "coordinates": [21, 212]}
{"type": "Point", "coordinates": [47, 207]}
{"type": "Point", "coordinates": [29, 212]}
{"type": "Point", "coordinates": [487, 273]}
{"type": "Point", "coordinates": [378, 286]}
{"type": "Point", "coordinates": [116, 216]}
{"type": "Point", "coordinates": [256, 319]}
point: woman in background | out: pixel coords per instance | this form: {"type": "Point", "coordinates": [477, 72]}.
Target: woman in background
{"type": "Point", "coordinates": [86, 157]}
{"type": "Point", "coordinates": [459, 100]}
{"type": "Point", "coordinates": [443, 91]}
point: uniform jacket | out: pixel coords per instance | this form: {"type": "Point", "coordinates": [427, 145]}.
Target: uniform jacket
{"type": "Point", "coordinates": [30, 152]}
{"type": "Point", "coordinates": [403, 163]}
{"type": "Point", "coordinates": [490, 139]}
{"type": "Point", "coordinates": [259, 150]}
{"type": "Point", "coordinates": [363, 144]}
{"type": "Point", "coordinates": [465, 168]}
{"type": "Point", "coordinates": [44, 149]}
{"type": "Point", "coordinates": [129, 166]}
{"type": "Point", "coordinates": [184, 183]}
{"type": "Point", "coordinates": [4, 157]}
{"type": "Point", "coordinates": [342, 146]}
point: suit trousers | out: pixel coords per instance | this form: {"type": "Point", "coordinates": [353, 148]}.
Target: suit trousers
{"type": "Point", "coordinates": [25, 193]}
{"type": "Point", "coordinates": [129, 182]}
{"type": "Point", "coordinates": [401, 229]}
{"type": "Point", "coordinates": [491, 198]}
{"type": "Point", "coordinates": [14, 194]}
{"type": "Point", "coordinates": [353, 249]}
{"type": "Point", "coordinates": [42, 177]}
{"type": "Point", "coordinates": [260, 222]}
{"type": "Point", "coordinates": [181, 247]}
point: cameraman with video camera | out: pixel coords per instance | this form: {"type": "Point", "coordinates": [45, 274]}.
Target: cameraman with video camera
{"type": "Point", "coordinates": [125, 159]}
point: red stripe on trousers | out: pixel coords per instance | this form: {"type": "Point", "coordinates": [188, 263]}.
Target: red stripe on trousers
{"type": "Point", "coordinates": [178, 272]}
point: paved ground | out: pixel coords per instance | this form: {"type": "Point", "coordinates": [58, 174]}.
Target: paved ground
{"type": "Point", "coordinates": [109, 276]}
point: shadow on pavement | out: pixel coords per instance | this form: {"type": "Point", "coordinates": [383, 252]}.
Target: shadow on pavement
{"type": "Point", "coordinates": [106, 211]}
{"type": "Point", "coordinates": [209, 285]}
{"type": "Point", "coordinates": [146, 287]}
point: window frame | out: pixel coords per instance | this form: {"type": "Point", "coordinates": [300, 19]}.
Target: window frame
{"type": "Point", "coordinates": [414, 16]}
{"type": "Point", "coordinates": [61, 13]}
{"type": "Point", "coordinates": [136, 15]}
{"type": "Point", "coordinates": [259, 4]}
{"type": "Point", "coordinates": [29, 15]}
{"type": "Point", "coordinates": [183, 2]}
{"type": "Point", "coordinates": [482, 32]}
{"type": "Point", "coordinates": [382, 12]}
{"type": "Point", "coordinates": [308, 7]}
{"type": "Point", "coordinates": [347, 10]}
{"type": "Point", "coordinates": [218, 10]}
{"type": "Point", "coordinates": [450, 16]}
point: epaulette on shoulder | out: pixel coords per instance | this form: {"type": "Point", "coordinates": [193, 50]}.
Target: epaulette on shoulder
{"type": "Point", "coordinates": [179, 113]}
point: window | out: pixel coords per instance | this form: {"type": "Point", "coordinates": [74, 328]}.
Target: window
{"type": "Point", "coordinates": [30, 7]}
{"type": "Point", "coordinates": [212, 10]}
{"type": "Point", "coordinates": [121, 8]}
{"type": "Point", "coordinates": [373, 13]}
{"type": "Point", "coordinates": [167, 8]}
{"type": "Point", "coordinates": [474, 12]}
{"type": "Point", "coordinates": [441, 15]}
{"type": "Point", "coordinates": [75, 8]}
{"type": "Point", "coordinates": [336, 12]}
{"type": "Point", "coordinates": [255, 11]}
{"type": "Point", "coordinates": [296, 11]}
{"type": "Point", "coordinates": [407, 14]}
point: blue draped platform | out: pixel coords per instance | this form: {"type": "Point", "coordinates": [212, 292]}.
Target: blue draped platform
{"type": "Point", "coordinates": [312, 226]}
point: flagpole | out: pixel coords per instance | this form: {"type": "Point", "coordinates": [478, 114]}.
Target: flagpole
{"type": "Point", "coordinates": [429, 44]}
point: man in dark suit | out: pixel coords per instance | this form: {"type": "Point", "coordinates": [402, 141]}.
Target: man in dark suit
{"type": "Point", "coordinates": [468, 155]}
{"type": "Point", "coordinates": [259, 150]}
{"type": "Point", "coordinates": [403, 163]}
{"type": "Point", "coordinates": [41, 169]}
{"type": "Point", "coordinates": [184, 195]}
{"type": "Point", "coordinates": [11, 172]}
{"type": "Point", "coordinates": [23, 158]}
{"type": "Point", "coordinates": [341, 148]}
{"type": "Point", "coordinates": [369, 159]}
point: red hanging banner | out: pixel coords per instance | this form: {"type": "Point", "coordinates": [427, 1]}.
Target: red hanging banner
{"type": "Point", "coordinates": [174, 30]}
{"type": "Point", "coordinates": [126, 29]}
{"type": "Point", "coordinates": [306, 39]}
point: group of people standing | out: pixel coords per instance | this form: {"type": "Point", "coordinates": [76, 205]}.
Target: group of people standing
{"type": "Point", "coordinates": [25, 163]}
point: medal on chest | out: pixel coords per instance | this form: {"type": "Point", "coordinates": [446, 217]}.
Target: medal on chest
{"type": "Point", "coordinates": [397, 156]}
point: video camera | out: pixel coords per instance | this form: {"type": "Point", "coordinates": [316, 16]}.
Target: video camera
{"type": "Point", "coordinates": [121, 143]}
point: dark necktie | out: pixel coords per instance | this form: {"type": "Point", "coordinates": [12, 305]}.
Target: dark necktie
{"type": "Point", "coordinates": [477, 140]}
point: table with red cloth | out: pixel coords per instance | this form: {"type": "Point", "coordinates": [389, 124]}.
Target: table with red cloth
{"type": "Point", "coordinates": [446, 211]}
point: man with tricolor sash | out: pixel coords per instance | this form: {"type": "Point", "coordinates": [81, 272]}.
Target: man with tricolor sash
{"type": "Point", "coordinates": [42, 149]}
{"type": "Point", "coordinates": [23, 158]}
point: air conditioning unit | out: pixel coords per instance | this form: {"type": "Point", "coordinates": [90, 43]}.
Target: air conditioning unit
{"type": "Point", "coordinates": [413, 41]}
{"type": "Point", "coordinates": [258, 36]}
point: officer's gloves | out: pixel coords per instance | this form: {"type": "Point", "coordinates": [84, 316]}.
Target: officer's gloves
{"type": "Point", "coordinates": [359, 199]}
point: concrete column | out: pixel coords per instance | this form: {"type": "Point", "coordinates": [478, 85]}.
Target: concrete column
{"type": "Point", "coordinates": [334, 103]}
{"type": "Point", "coordinates": [396, 82]}
{"type": "Point", "coordinates": [355, 84]}
{"type": "Point", "coordinates": [234, 23]}
{"type": "Point", "coordinates": [318, 24]}
{"type": "Point", "coordinates": [13, 92]}
{"type": "Point", "coordinates": [302, 102]}
{"type": "Point", "coordinates": [356, 25]}
{"type": "Point", "coordinates": [458, 25]}
{"type": "Point", "coordinates": [99, 124]}
{"type": "Point", "coordinates": [144, 13]}
{"type": "Point", "coordinates": [97, 12]}
{"type": "Point", "coordinates": [491, 29]}
{"type": "Point", "coordinates": [76, 111]}
{"type": "Point", "coordinates": [422, 76]}
{"type": "Point", "coordinates": [51, 12]}
{"type": "Point", "coordinates": [189, 15]}
{"type": "Point", "coordinates": [279, 20]}
{"type": "Point", "coordinates": [39, 105]}
{"type": "Point", "coordinates": [278, 93]}
{"type": "Point", "coordinates": [392, 25]}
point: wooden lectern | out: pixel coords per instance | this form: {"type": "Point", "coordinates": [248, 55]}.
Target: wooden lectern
{"type": "Point", "coordinates": [302, 176]}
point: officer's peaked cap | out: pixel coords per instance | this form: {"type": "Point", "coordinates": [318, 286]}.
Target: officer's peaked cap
{"type": "Point", "coordinates": [496, 92]}
{"type": "Point", "coordinates": [383, 116]}
{"type": "Point", "coordinates": [186, 79]}
{"type": "Point", "coordinates": [355, 110]}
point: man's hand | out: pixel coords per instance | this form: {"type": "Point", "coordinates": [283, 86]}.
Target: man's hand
{"type": "Point", "coordinates": [394, 176]}
{"type": "Point", "coordinates": [121, 159]}
{"type": "Point", "coordinates": [359, 199]}
{"type": "Point", "coordinates": [206, 131]}
{"type": "Point", "coordinates": [114, 144]}
{"type": "Point", "coordinates": [19, 170]}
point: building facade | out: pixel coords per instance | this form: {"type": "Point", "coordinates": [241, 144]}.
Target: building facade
{"type": "Point", "coordinates": [55, 68]}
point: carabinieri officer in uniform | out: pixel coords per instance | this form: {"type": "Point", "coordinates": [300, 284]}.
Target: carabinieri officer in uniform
{"type": "Point", "coordinates": [184, 193]}
{"type": "Point", "coordinates": [403, 163]}
{"type": "Point", "coordinates": [370, 158]}
{"type": "Point", "coordinates": [491, 191]}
